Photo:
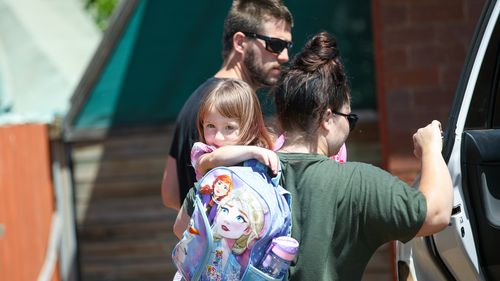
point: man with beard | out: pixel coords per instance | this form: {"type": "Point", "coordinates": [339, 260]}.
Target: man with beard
{"type": "Point", "coordinates": [256, 39]}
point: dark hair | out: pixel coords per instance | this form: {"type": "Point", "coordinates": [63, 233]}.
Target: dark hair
{"type": "Point", "coordinates": [314, 82]}
{"type": "Point", "coordinates": [249, 16]}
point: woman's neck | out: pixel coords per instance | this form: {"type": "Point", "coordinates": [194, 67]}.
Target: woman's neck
{"type": "Point", "coordinates": [296, 148]}
{"type": "Point", "coordinates": [297, 143]}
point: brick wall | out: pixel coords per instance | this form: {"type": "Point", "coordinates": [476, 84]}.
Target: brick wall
{"type": "Point", "coordinates": [420, 47]}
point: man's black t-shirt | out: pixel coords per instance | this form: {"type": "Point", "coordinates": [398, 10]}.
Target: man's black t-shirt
{"type": "Point", "coordinates": [186, 134]}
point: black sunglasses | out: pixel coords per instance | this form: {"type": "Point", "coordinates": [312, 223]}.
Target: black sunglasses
{"type": "Point", "coordinates": [273, 45]}
{"type": "Point", "coordinates": [351, 118]}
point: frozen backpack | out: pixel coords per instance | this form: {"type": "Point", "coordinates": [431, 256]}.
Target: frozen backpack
{"type": "Point", "coordinates": [237, 212]}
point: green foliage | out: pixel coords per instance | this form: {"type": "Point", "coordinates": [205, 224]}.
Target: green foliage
{"type": "Point", "coordinates": [101, 11]}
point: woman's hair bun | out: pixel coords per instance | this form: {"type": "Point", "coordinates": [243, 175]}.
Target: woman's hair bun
{"type": "Point", "coordinates": [319, 50]}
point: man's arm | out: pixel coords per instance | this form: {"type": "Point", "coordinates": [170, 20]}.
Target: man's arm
{"type": "Point", "coordinates": [233, 154]}
{"type": "Point", "coordinates": [170, 185]}
{"type": "Point", "coordinates": [181, 222]}
{"type": "Point", "coordinates": [435, 181]}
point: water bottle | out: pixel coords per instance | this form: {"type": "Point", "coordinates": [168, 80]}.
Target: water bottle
{"type": "Point", "coordinates": [278, 257]}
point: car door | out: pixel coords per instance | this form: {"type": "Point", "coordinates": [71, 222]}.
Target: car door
{"type": "Point", "coordinates": [469, 248]}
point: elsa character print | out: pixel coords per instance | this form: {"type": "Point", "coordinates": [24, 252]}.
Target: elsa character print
{"type": "Point", "coordinates": [238, 222]}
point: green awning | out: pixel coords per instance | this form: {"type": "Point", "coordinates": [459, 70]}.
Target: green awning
{"type": "Point", "coordinates": [155, 53]}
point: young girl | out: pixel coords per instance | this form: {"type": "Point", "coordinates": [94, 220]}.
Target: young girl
{"type": "Point", "coordinates": [231, 129]}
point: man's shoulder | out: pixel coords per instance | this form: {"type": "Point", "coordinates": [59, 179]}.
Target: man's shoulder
{"type": "Point", "coordinates": [203, 86]}
{"type": "Point", "coordinates": [185, 125]}
{"type": "Point", "coordinates": [190, 107]}
{"type": "Point", "coordinates": [202, 89]}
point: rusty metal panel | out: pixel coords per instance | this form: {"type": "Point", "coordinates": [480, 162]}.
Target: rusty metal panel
{"type": "Point", "coordinates": [26, 200]}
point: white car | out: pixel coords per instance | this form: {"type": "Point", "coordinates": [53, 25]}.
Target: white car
{"type": "Point", "coordinates": [469, 248]}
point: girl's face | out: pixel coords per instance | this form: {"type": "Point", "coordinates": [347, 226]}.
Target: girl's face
{"type": "Point", "coordinates": [219, 130]}
{"type": "Point", "coordinates": [231, 222]}
{"type": "Point", "coordinates": [221, 188]}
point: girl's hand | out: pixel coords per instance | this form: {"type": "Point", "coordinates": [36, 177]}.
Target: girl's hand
{"type": "Point", "coordinates": [266, 157]}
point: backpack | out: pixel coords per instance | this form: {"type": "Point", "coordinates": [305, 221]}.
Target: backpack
{"type": "Point", "coordinates": [237, 212]}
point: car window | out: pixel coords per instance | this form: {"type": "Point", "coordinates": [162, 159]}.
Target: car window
{"type": "Point", "coordinates": [486, 98]}
{"type": "Point", "coordinates": [496, 114]}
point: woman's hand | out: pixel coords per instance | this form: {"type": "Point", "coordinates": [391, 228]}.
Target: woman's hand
{"type": "Point", "coordinates": [428, 139]}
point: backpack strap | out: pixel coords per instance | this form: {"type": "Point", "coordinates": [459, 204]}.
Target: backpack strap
{"type": "Point", "coordinates": [261, 168]}
{"type": "Point", "coordinates": [276, 179]}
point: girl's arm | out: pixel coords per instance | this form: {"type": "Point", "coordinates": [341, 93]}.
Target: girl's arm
{"type": "Point", "coordinates": [233, 154]}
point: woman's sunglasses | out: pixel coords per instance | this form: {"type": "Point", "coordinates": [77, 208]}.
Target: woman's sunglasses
{"type": "Point", "coordinates": [273, 45]}
{"type": "Point", "coordinates": [351, 118]}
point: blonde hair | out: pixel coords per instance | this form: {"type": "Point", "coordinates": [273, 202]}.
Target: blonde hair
{"type": "Point", "coordinates": [234, 98]}
{"type": "Point", "coordinates": [252, 207]}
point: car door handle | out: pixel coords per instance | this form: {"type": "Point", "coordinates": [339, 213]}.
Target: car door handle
{"type": "Point", "coordinates": [456, 210]}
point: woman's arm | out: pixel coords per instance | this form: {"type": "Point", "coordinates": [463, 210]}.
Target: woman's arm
{"type": "Point", "coordinates": [233, 154]}
{"type": "Point", "coordinates": [435, 181]}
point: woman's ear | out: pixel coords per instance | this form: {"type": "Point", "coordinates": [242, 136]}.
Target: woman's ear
{"type": "Point", "coordinates": [327, 119]}
{"type": "Point", "coordinates": [239, 42]}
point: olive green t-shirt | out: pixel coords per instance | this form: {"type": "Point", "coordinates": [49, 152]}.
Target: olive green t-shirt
{"type": "Point", "coordinates": [341, 213]}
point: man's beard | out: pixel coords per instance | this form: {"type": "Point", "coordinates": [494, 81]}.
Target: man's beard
{"type": "Point", "coordinates": [256, 72]}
